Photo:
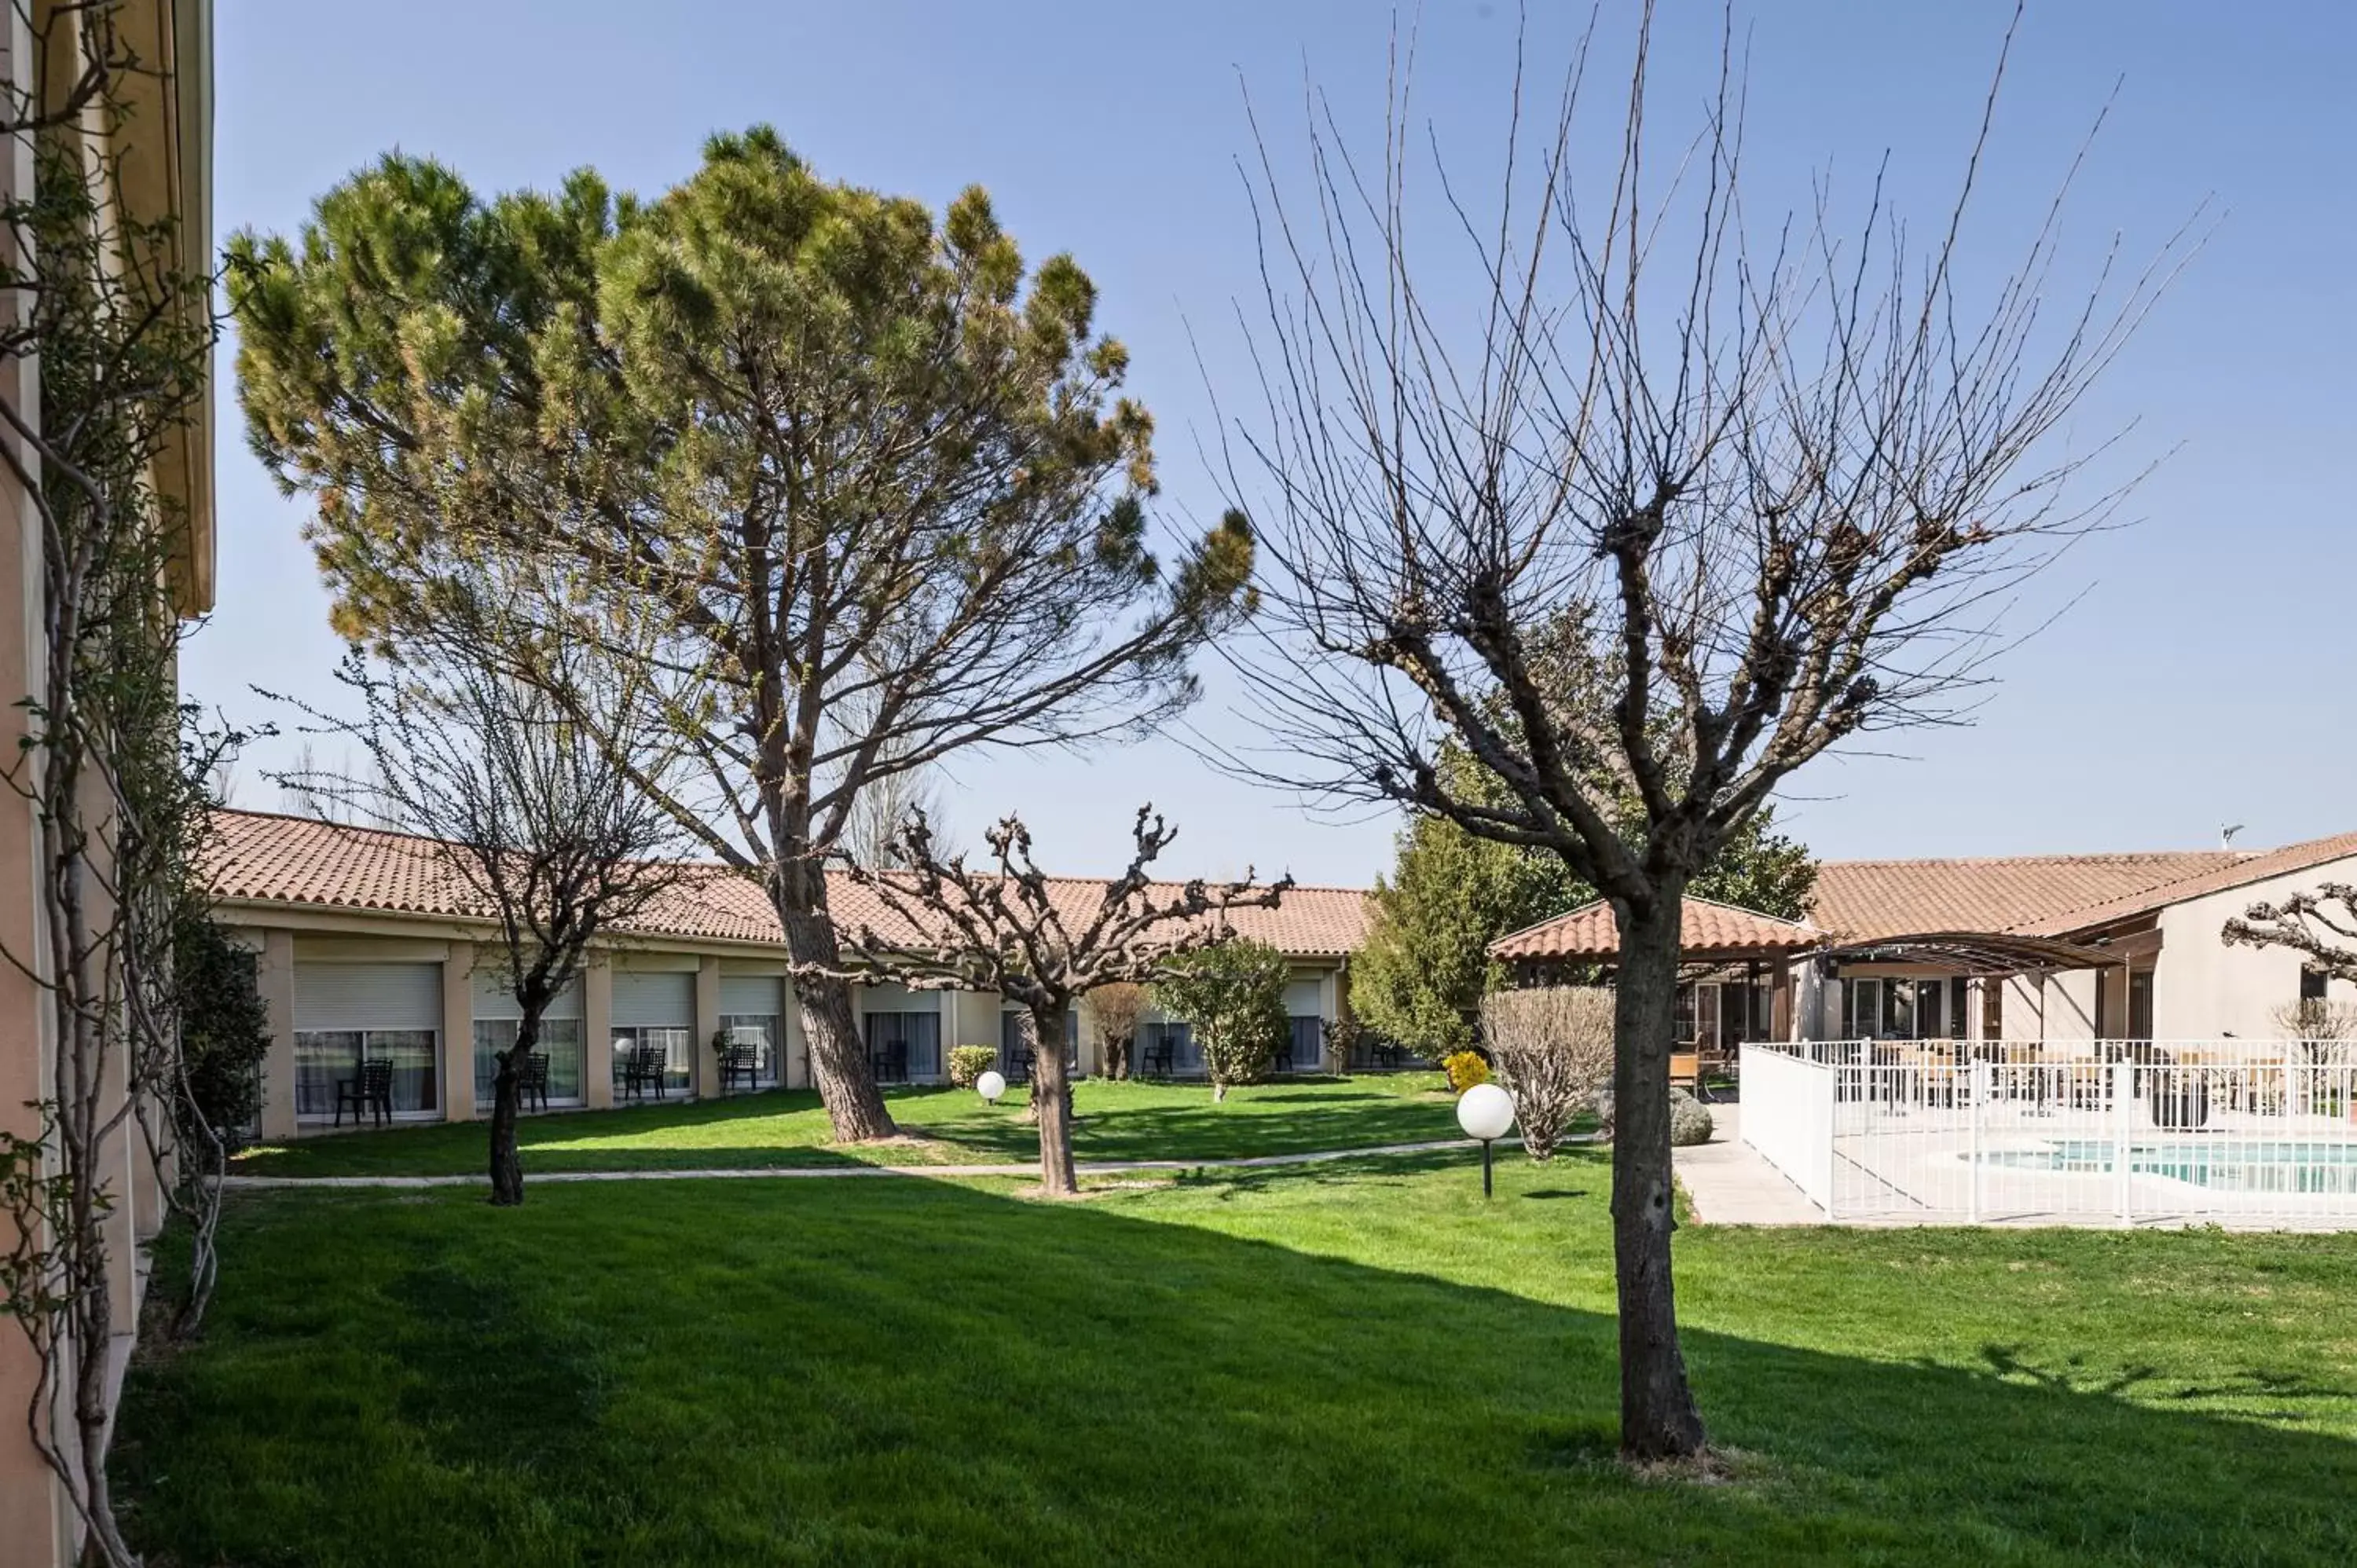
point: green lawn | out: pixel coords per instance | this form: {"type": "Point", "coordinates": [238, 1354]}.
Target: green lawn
{"type": "Point", "coordinates": [787, 1127]}
{"type": "Point", "coordinates": [1313, 1363]}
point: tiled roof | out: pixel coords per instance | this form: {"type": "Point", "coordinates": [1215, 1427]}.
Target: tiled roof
{"type": "Point", "coordinates": [2241, 871]}
{"type": "Point", "coordinates": [262, 858]}
{"type": "Point", "coordinates": [1863, 899]}
{"type": "Point", "coordinates": [1705, 930]}
{"type": "Point", "coordinates": [2041, 895]}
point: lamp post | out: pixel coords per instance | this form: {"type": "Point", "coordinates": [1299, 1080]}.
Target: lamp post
{"type": "Point", "coordinates": [1487, 1112]}
{"type": "Point", "coordinates": [990, 1086]}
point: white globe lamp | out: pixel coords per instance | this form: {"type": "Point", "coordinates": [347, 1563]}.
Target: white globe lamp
{"type": "Point", "coordinates": [990, 1086]}
{"type": "Point", "coordinates": [1486, 1113]}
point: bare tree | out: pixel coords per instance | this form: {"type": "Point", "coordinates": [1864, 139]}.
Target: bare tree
{"type": "Point", "coordinates": [1117, 1010]}
{"type": "Point", "coordinates": [1777, 481]}
{"type": "Point", "coordinates": [2320, 926]}
{"type": "Point", "coordinates": [1003, 929]}
{"type": "Point", "coordinates": [299, 800]}
{"type": "Point", "coordinates": [490, 740]}
{"type": "Point", "coordinates": [871, 830]}
{"type": "Point", "coordinates": [1551, 1047]}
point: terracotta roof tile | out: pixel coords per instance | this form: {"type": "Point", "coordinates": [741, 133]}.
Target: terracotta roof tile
{"type": "Point", "coordinates": [1704, 930]}
{"type": "Point", "coordinates": [1865, 899]}
{"type": "Point", "coordinates": [2239, 871]}
{"type": "Point", "coordinates": [268, 859]}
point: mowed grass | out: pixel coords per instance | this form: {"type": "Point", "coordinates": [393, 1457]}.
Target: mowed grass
{"type": "Point", "coordinates": [1115, 1121]}
{"type": "Point", "coordinates": [1363, 1364]}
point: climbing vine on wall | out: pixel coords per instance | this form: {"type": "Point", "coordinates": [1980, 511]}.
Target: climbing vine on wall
{"type": "Point", "coordinates": [110, 764]}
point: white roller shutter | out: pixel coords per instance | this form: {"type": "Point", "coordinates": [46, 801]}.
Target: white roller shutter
{"type": "Point", "coordinates": [654, 1000]}
{"type": "Point", "coordinates": [368, 996]}
{"type": "Point", "coordinates": [750, 995]}
{"type": "Point", "coordinates": [1302, 999]}
{"type": "Point", "coordinates": [495, 1000]}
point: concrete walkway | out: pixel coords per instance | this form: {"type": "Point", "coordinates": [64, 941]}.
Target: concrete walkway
{"type": "Point", "coordinates": [1729, 1184]}
{"type": "Point", "coordinates": [1028, 1168]}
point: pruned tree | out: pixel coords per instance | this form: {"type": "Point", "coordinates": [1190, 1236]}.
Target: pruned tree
{"type": "Point", "coordinates": [1117, 1010]}
{"type": "Point", "coordinates": [491, 738]}
{"type": "Point", "coordinates": [2320, 925]}
{"type": "Point", "coordinates": [1233, 997]}
{"type": "Point", "coordinates": [1551, 1048]}
{"type": "Point", "coordinates": [877, 486]}
{"type": "Point", "coordinates": [1764, 485]}
{"type": "Point", "coordinates": [1001, 927]}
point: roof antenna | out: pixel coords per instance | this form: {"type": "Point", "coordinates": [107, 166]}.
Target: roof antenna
{"type": "Point", "coordinates": [2226, 835]}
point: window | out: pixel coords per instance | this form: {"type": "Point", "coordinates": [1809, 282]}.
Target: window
{"type": "Point", "coordinates": [2311, 984]}
{"type": "Point", "coordinates": [1898, 1011]}
{"type": "Point", "coordinates": [1178, 1039]}
{"type": "Point", "coordinates": [1959, 1007]}
{"type": "Point", "coordinates": [560, 1042]}
{"type": "Point", "coordinates": [914, 1038]}
{"type": "Point", "coordinates": [1305, 1035]}
{"type": "Point", "coordinates": [1707, 997]}
{"type": "Point", "coordinates": [326, 1057]}
{"type": "Point", "coordinates": [1992, 1008]}
{"type": "Point", "coordinates": [1862, 1010]}
{"type": "Point", "coordinates": [760, 1032]}
{"type": "Point", "coordinates": [678, 1047]}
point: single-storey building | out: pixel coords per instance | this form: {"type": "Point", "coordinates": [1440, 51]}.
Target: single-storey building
{"type": "Point", "coordinates": [2029, 948]}
{"type": "Point", "coordinates": [368, 950]}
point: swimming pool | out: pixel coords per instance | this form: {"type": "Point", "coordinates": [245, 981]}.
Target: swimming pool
{"type": "Point", "coordinates": [2222, 1164]}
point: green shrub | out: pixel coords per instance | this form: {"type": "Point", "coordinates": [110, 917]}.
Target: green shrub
{"type": "Point", "coordinates": [1234, 996]}
{"type": "Point", "coordinates": [1465, 1068]}
{"type": "Point", "coordinates": [224, 1037]}
{"type": "Point", "coordinates": [968, 1063]}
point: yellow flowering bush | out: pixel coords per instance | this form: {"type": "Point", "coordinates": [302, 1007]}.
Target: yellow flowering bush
{"type": "Point", "coordinates": [1465, 1068]}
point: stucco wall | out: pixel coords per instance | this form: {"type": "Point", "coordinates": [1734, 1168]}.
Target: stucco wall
{"type": "Point", "coordinates": [2203, 990]}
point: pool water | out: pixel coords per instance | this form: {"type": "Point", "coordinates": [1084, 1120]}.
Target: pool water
{"type": "Point", "coordinates": [2223, 1164]}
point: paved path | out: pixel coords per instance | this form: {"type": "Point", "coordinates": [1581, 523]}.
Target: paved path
{"type": "Point", "coordinates": [1028, 1168]}
{"type": "Point", "coordinates": [1729, 1183]}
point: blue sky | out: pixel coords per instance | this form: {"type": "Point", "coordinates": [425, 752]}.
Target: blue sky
{"type": "Point", "coordinates": [2201, 674]}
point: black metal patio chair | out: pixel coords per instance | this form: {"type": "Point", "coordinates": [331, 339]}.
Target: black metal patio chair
{"type": "Point", "coordinates": [737, 1061]}
{"type": "Point", "coordinates": [645, 1068]}
{"type": "Point", "coordinates": [532, 1081]}
{"type": "Point", "coordinates": [369, 1092]}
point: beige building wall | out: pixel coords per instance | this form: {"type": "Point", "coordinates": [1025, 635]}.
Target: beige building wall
{"type": "Point", "coordinates": [598, 1031]}
{"type": "Point", "coordinates": [2068, 999]}
{"type": "Point", "coordinates": [2205, 990]}
{"type": "Point", "coordinates": [458, 1034]}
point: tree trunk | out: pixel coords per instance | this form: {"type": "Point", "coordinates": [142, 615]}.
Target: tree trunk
{"type": "Point", "coordinates": [1051, 1098]}
{"type": "Point", "coordinates": [506, 1160]}
{"type": "Point", "coordinates": [838, 1056]}
{"type": "Point", "coordinates": [1658, 1419]}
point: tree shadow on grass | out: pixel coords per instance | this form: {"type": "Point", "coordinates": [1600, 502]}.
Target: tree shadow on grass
{"type": "Point", "coordinates": [926, 1372]}
{"type": "Point", "coordinates": [786, 1128]}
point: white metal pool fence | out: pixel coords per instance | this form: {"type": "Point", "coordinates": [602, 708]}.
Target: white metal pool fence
{"type": "Point", "coordinates": [2246, 1133]}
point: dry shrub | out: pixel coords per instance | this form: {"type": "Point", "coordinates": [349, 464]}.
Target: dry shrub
{"type": "Point", "coordinates": [2328, 1029]}
{"type": "Point", "coordinates": [1552, 1050]}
